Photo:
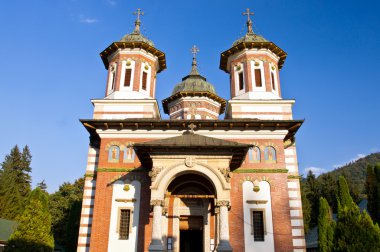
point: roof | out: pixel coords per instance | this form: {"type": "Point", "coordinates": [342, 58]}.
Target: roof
{"type": "Point", "coordinates": [250, 45]}
{"type": "Point", "coordinates": [250, 37]}
{"type": "Point", "coordinates": [132, 45]}
{"type": "Point", "coordinates": [208, 94]}
{"type": "Point", "coordinates": [92, 125]}
{"type": "Point", "coordinates": [189, 141]}
{"type": "Point", "coordinates": [7, 227]}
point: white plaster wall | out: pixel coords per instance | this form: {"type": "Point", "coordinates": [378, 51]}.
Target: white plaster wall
{"type": "Point", "coordinates": [114, 244]}
{"type": "Point", "coordinates": [264, 194]}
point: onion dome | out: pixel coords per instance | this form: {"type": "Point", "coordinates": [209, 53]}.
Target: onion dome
{"type": "Point", "coordinates": [132, 41]}
{"type": "Point", "coordinates": [194, 82]}
{"type": "Point", "coordinates": [136, 35]}
{"type": "Point", "coordinates": [249, 41]}
{"type": "Point", "coordinates": [194, 97]}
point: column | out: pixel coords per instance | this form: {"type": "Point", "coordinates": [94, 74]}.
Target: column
{"type": "Point", "coordinates": [156, 243]}
{"type": "Point", "coordinates": [224, 235]}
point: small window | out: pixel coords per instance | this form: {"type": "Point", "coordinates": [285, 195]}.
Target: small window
{"type": "Point", "coordinates": [270, 154]}
{"type": "Point", "coordinates": [124, 225]}
{"type": "Point", "coordinates": [258, 78]}
{"type": "Point", "coordinates": [254, 154]}
{"type": "Point", "coordinates": [241, 81]}
{"type": "Point", "coordinates": [127, 78]}
{"type": "Point", "coordinates": [273, 81]}
{"type": "Point", "coordinates": [113, 80]}
{"type": "Point", "coordinates": [113, 154]}
{"type": "Point", "coordinates": [144, 80]}
{"type": "Point", "coordinates": [258, 225]}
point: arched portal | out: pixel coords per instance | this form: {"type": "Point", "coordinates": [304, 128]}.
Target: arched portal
{"type": "Point", "coordinates": [190, 200]}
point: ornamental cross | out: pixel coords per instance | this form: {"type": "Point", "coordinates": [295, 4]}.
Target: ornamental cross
{"type": "Point", "coordinates": [192, 126]}
{"type": "Point", "coordinates": [138, 13]}
{"type": "Point", "coordinates": [194, 50]}
{"type": "Point", "coordinates": [248, 13]}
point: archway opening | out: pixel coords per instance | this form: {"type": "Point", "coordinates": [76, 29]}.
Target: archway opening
{"type": "Point", "coordinates": [191, 202]}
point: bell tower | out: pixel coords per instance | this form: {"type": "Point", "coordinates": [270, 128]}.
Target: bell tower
{"type": "Point", "coordinates": [254, 64]}
{"type": "Point", "coordinates": [132, 64]}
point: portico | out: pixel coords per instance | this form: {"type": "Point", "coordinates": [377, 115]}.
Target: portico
{"type": "Point", "coordinates": [190, 190]}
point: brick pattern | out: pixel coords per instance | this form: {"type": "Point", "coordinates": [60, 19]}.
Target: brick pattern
{"type": "Point", "coordinates": [88, 201]}
{"type": "Point", "coordinates": [246, 60]}
{"type": "Point", "coordinates": [184, 108]}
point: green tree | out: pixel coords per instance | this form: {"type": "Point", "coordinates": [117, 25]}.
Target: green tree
{"type": "Point", "coordinates": [354, 231]}
{"type": "Point", "coordinates": [312, 193]}
{"type": "Point", "coordinates": [14, 182]}
{"type": "Point", "coordinates": [306, 209]}
{"type": "Point", "coordinates": [42, 185]}
{"type": "Point", "coordinates": [373, 191]}
{"type": "Point", "coordinates": [34, 231]}
{"type": "Point", "coordinates": [328, 189]}
{"type": "Point", "coordinates": [64, 210]}
{"type": "Point", "coordinates": [325, 227]}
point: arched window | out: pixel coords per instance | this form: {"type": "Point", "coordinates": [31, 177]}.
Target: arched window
{"type": "Point", "coordinates": [113, 153]}
{"type": "Point", "coordinates": [254, 154]}
{"type": "Point", "coordinates": [270, 154]}
{"type": "Point", "coordinates": [129, 155]}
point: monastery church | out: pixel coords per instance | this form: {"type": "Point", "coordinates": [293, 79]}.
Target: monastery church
{"type": "Point", "coordinates": [216, 176]}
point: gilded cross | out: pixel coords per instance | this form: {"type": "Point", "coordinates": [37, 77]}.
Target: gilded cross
{"type": "Point", "coordinates": [248, 13]}
{"type": "Point", "coordinates": [194, 51]}
{"type": "Point", "coordinates": [192, 126]}
{"type": "Point", "coordinates": [138, 13]}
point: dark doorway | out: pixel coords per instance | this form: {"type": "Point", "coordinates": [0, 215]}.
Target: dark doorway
{"type": "Point", "coordinates": [191, 240]}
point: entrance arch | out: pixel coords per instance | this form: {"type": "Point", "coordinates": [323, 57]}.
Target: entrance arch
{"type": "Point", "coordinates": [165, 177]}
{"type": "Point", "coordinates": [190, 201]}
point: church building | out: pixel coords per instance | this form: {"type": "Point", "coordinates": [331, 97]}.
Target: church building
{"type": "Point", "coordinates": [217, 175]}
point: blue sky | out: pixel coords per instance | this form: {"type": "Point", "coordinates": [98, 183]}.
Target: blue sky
{"type": "Point", "coordinates": [50, 69]}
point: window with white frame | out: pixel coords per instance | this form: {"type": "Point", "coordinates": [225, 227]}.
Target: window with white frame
{"type": "Point", "coordinates": [239, 79]}
{"type": "Point", "coordinates": [145, 78]}
{"type": "Point", "coordinates": [258, 77]}
{"type": "Point", "coordinates": [112, 77]}
{"type": "Point", "coordinates": [273, 77]}
{"type": "Point", "coordinates": [258, 224]}
{"type": "Point", "coordinates": [127, 72]}
{"type": "Point", "coordinates": [124, 223]}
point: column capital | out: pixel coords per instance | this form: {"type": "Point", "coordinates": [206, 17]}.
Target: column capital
{"type": "Point", "coordinates": [225, 203]}
{"type": "Point", "coordinates": [157, 202]}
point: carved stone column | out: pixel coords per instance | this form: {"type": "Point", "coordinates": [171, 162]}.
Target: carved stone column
{"type": "Point", "coordinates": [224, 233]}
{"type": "Point", "coordinates": [156, 243]}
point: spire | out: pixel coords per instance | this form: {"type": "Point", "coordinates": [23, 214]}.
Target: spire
{"type": "Point", "coordinates": [137, 22]}
{"type": "Point", "coordinates": [194, 70]}
{"type": "Point", "coordinates": [249, 21]}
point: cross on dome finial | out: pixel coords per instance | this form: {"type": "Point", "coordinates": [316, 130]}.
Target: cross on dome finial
{"type": "Point", "coordinates": [137, 22]}
{"type": "Point", "coordinates": [194, 50]}
{"type": "Point", "coordinates": [249, 21]}
{"type": "Point", "coordinates": [138, 13]}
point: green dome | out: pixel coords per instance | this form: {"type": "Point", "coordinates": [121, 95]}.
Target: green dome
{"type": "Point", "coordinates": [250, 37]}
{"type": "Point", "coordinates": [136, 37]}
{"type": "Point", "coordinates": [194, 83]}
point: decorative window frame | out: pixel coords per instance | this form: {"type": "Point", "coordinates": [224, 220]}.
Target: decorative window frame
{"type": "Point", "coordinates": [112, 78]}
{"type": "Point", "coordinates": [239, 68]}
{"type": "Point", "coordinates": [258, 64]}
{"type": "Point", "coordinates": [145, 67]}
{"type": "Point", "coordinates": [124, 66]}
{"type": "Point", "coordinates": [110, 160]}
{"type": "Point", "coordinates": [251, 210]}
{"type": "Point", "coordinates": [130, 220]}
{"type": "Point", "coordinates": [275, 152]}
{"type": "Point", "coordinates": [273, 70]}
{"type": "Point", "coordinates": [125, 149]}
{"type": "Point", "coordinates": [251, 150]}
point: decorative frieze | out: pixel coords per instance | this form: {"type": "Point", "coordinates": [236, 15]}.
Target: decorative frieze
{"type": "Point", "coordinates": [154, 172]}
{"type": "Point", "coordinates": [157, 202]}
{"type": "Point", "coordinates": [226, 173]}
